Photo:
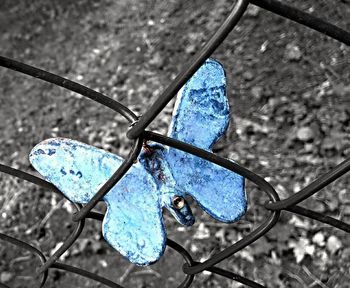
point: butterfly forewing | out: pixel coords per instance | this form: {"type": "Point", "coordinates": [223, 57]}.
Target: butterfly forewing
{"type": "Point", "coordinates": [200, 118]}
{"type": "Point", "coordinates": [133, 222]}
{"type": "Point", "coordinates": [201, 113]}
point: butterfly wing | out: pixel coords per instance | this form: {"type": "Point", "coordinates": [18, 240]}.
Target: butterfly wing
{"type": "Point", "coordinates": [201, 112]}
{"type": "Point", "coordinates": [200, 118]}
{"type": "Point", "coordinates": [133, 222]}
{"type": "Point", "coordinates": [219, 191]}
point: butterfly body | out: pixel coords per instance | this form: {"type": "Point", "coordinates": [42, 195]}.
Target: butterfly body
{"type": "Point", "coordinates": [162, 176]}
{"type": "Point", "coordinates": [156, 164]}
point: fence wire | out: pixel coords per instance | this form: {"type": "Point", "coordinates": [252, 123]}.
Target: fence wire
{"type": "Point", "coordinates": [138, 134]}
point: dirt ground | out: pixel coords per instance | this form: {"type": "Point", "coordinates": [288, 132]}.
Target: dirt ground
{"type": "Point", "coordinates": [289, 92]}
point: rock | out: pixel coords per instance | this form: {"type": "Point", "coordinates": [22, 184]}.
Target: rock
{"type": "Point", "coordinates": [302, 248]}
{"type": "Point", "coordinates": [81, 247]}
{"type": "Point", "coordinates": [319, 239]}
{"type": "Point", "coordinates": [305, 134]}
{"type": "Point", "coordinates": [191, 49]}
{"type": "Point", "coordinates": [103, 263]}
{"type": "Point", "coordinates": [220, 234]}
{"type": "Point", "coordinates": [157, 60]}
{"type": "Point", "coordinates": [329, 144]}
{"type": "Point", "coordinates": [96, 247]}
{"type": "Point", "coordinates": [253, 11]}
{"type": "Point", "coordinates": [319, 206]}
{"type": "Point", "coordinates": [347, 210]}
{"type": "Point", "coordinates": [309, 147]}
{"type": "Point", "coordinates": [333, 244]}
{"type": "Point", "coordinates": [248, 76]}
{"type": "Point", "coordinates": [341, 89]}
{"type": "Point", "coordinates": [345, 255]}
{"type": "Point", "coordinates": [293, 52]}
{"type": "Point", "coordinates": [257, 91]}
{"type": "Point", "coordinates": [333, 204]}
{"type": "Point", "coordinates": [6, 277]}
{"type": "Point", "coordinates": [344, 196]}
{"type": "Point", "coordinates": [202, 232]}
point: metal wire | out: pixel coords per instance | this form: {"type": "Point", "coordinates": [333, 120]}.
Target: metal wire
{"type": "Point", "coordinates": [138, 133]}
{"type": "Point", "coordinates": [70, 85]}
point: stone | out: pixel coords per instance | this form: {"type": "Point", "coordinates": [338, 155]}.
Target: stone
{"type": "Point", "coordinates": [305, 134]}
{"type": "Point", "coordinates": [248, 76]}
{"type": "Point", "coordinates": [333, 244]}
{"type": "Point", "coordinates": [157, 60]}
{"type": "Point", "coordinates": [257, 91]}
{"type": "Point", "coordinates": [293, 52]}
{"type": "Point", "coordinates": [6, 277]}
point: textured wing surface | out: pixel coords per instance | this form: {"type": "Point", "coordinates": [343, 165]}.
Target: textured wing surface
{"type": "Point", "coordinates": [200, 118]}
{"type": "Point", "coordinates": [201, 113]}
{"type": "Point", "coordinates": [133, 222]}
{"type": "Point", "coordinates": [217, 190]}
{"type": "Point", "coordinates": [78, 170]}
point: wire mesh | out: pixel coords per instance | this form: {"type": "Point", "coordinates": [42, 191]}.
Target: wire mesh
{"type": "Point", "coordinates": [138, 134]}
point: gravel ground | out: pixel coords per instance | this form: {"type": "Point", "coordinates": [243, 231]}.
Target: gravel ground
{"type": "Point", "coordinates": [288, 88]}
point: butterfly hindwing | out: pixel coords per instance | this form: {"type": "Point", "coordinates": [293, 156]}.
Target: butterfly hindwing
{"type": "Point", "coordinates": [219, 191]}
{"type": "Point", "coordinates": [200, 118]}
{"type": "Point", "coordinates": [133, 223]}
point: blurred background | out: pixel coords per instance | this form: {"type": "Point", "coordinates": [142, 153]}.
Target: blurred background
{"type": "Point", "coordinates": [289, 93]}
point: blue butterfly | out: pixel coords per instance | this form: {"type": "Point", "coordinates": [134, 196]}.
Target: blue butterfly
{"type": "Point", "coordinates": [133, 223]}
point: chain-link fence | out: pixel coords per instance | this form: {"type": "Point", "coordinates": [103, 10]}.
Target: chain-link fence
{"type": "Point", "coordinates": [138, 134]}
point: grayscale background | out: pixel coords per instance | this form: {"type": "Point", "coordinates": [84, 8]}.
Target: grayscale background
{"type": "Point", "coordinates": [289, 92]}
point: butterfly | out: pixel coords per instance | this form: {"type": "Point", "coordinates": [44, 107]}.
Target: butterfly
{"type": "Point", "coordinates": [162, 176]}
